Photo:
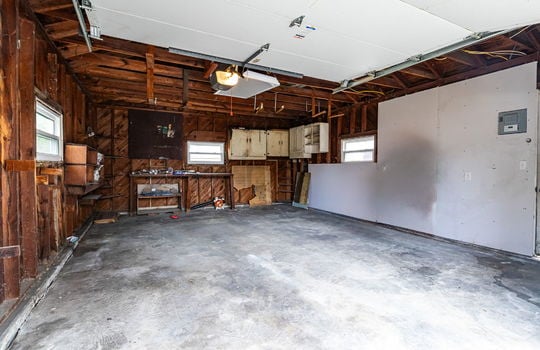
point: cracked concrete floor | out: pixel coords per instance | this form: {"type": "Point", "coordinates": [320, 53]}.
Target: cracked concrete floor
{"type": "Point", "coordinates": [282, 278]}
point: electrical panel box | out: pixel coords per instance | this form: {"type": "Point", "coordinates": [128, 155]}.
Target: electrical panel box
{"type": "Point", "coordinates": [513, 122]}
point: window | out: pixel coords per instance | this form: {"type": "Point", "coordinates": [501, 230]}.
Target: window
{"type": "Point", "coordinates": [205, 152]}
{"type": "Point", "coordinates": [358, 149]}
{"type": "Point", "coordinates": [48, 133]}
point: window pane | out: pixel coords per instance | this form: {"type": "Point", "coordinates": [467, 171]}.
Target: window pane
{"type": "Point", "coordinates": [364, 156]}
{"type": "Point", "coordinates": [358, 145]}
{"type": "Point", "coordinates": [359, 149]}
{"type": "Point", "coordinates": [205, 157]}
{"type": "Point", "coordinates": [45, 124]}
{"type": "Point", "coordinates": [46, 144]}
{"type": "Point", "coordinates": [205, 152]}
{"type": "Point", "coordinates": [204, 148]}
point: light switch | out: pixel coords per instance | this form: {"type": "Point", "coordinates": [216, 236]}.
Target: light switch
{"type": "Point", "coordinates": [522, 165]}
{"type": "Point", "coordinates": [468, 176]}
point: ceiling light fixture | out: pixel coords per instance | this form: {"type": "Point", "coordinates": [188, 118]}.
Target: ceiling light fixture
{"type": "Point", "coordinates": [223, 80]}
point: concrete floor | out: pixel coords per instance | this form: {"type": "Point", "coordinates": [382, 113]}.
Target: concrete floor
{"type": "Point", "coordinates": [282, 278]}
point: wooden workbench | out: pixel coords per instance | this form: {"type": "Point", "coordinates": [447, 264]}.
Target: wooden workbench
{"type": "Point", "coordinates": [183, 181]}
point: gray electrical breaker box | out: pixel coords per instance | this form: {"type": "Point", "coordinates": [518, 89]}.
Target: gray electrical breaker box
{"type": "Point", "coordinates": [513, 122]}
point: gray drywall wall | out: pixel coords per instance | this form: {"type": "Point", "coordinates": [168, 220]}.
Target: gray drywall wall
{"type": "Point", "coordinates": [346, 189]}
{"type": "Point", "coordinates": [442, 167]}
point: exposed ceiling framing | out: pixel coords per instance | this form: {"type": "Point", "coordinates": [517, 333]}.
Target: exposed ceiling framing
{"type": "Point", "coordinates": [129, 74]}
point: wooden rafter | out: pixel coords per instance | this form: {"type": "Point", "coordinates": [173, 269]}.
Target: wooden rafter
{"type": "Point", "coordinates": [44, 6]}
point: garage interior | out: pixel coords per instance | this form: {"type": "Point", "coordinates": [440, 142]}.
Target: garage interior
{"type": "Point", "coordinates": [269, 175]}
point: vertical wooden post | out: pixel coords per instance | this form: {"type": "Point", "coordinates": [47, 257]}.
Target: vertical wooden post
{"type": "Point", "coordinates": [27, 143]}
{"type": "Point", "coordinates": [185, 86]}
{"type": "Point", "coordinates": [363, 127]}
{"type": "Point", "coordinates": [352, 120]}
{"type": "Point", "coordinates": [9, 13]}
{"type": "Point", "coordinates": [338, 137]}
{"type": "Point", "coordinates": [150, 75]}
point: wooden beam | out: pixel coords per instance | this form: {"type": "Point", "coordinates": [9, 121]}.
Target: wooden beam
{"type": "Point", "coordinates": [419, 72]}
{"type": "Point", "coordinates": [43, 6]}
{"type": "Point", "coordinates": [352, 120]}
{"type": "Point", "coordinates": [150, 96]}
{"type": "Point", "coordinates": [52, 171]}
{"type": "Point", "coordinates": [336, 115]}
{"type": "Point", "coordinates": [62, 29]}
{"type": "Point", "coordinates": [27, 146]}
{"type": "Point", "coordinates": [464, 58]}
{"type": "Point", "coordinates": [433, 69]}
{"type": "Point", "coordinates": [363, 126]}
{"type": "Point", "coordinates": [533, 39]}
{"type": "Point", "coordinates": [9, 13]}
{"type": "Point", "coordinates": [212, 66]}
{"type": "Point", "coordinates": [398, 79]}
{"type": "Point", "coordinates": [20, 165]}
{"type": "Point", "coordinates": [185, 87]}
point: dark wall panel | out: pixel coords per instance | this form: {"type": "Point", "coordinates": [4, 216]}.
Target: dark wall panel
{"type": "Point", "coordinates": [155, 135]}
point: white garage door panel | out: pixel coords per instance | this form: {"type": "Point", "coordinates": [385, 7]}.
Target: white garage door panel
{"type": "Point", "coordinates": [483, 15]}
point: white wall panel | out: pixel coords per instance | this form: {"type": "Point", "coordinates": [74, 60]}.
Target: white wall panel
{"type": "Point", "coordinates": [442, 167]}
{"type": "Point", "coordinates": [495, 206]}
{"type": "Point", "coordinates": [407, 154]}
{"type": "Point", "coordinates": [347, 189]}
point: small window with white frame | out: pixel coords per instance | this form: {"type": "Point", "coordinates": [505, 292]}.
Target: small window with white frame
{"type": "Point", "coordinates": [49, 142]}
{"type": "Point", "coordinates": [358, 149]}
{"type": "Point", "coordinates": [205, 152]}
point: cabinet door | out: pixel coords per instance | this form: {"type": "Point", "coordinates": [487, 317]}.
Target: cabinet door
{"type": "Point", "coordinates": [284, 147]}
{"type": "Point", "coordinates": [273, 138]}
{"type": "Point", "coordinates": [257, 144]}
{"type": "Point", "coordinates": [238, 146]}
{"type": "Point", "coordinates": [323, 137]}
{"type": "Point", "coordinates": [277, 143]}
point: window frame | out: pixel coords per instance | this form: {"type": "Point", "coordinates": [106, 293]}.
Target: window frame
{"type": "Point", "coordinates": [57, 118]}
{"type": "Point", "coordinates": [359, 138]}
{"type": "Point", "coordinates": [205, 143]}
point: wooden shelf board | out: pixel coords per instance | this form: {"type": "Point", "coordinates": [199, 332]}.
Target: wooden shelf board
{"type": "Point", "coordinates": [83, 189]}
{"type": "Point", "coordinates": [158, 197]}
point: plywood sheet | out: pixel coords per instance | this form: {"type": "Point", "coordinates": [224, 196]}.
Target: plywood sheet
{"type": "Point", "coordinates": [258, 176]}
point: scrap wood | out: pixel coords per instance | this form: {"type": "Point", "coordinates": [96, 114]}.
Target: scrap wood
{"type": "Point", "coordinates": [106, 217]}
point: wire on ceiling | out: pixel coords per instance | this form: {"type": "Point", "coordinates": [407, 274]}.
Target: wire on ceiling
{"type": "Point", "coordinates": [364, 92]}
{"type": "Point", "coordinates": [499, 53]}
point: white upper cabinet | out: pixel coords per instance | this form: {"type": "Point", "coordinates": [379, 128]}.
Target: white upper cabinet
{"type": "Point", "coordinates": [277, 143]}
{"type": "Point", "coordinates": [247, 144]}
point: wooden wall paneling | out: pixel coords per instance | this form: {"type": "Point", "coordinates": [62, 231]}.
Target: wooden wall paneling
{"type": "Point", "coordinates": [205, 123]}
{"type": "Point", "coordinates": [193, 194]}
{"type": "Point", "coordinates": [67, 104]}
{"type": "Point", "coordinates": [9, 104]}
{"type": "Point", "coordinates": [346, 125]}
{"type": "Point", "coordinates": [80, 119]}
{"type": "Point", "coordinates": [27, 132]}
{"type": "Point", "coordinates": [57, 218]}
{"type": "Point", "coordinates": [40, 64]}
{"type": "Point", "coordinates": [103, 126]}
{"type": "Point", "coordinates": [44, 220]}
{"type": "Point", "coordinates": [52, 76]}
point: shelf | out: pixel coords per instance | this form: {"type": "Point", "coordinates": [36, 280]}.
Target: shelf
{"type": "Point", "coordinates": [158, 211]}
{"type": "Point", "coordinates": [159, 197]}
{"type": "Point", "coordinates": [83, 189]}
